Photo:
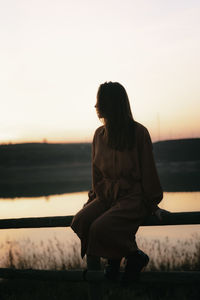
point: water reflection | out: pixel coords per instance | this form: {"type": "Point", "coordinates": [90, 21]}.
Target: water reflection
{"type": "Point", "coordinates": [69, 204]}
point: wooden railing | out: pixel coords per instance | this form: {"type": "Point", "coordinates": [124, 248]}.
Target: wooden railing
{"type": "Point", "coordinates": [179, 218]}
{"type": "Point", "coordinates": [91, 275]}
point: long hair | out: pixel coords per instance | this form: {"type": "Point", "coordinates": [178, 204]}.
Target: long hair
{"type": "Point", "coordinates": [114, 108]}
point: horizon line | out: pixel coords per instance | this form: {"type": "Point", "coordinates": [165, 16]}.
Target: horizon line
{"type": "Point", "coordinates": [45, 141]}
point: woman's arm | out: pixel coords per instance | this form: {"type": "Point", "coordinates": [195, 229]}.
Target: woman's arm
{"type": "Point", "coordinates": [152, 189]}
{"type": "Point", "coordinates": [161, 213]}
{"type": "Point", "coordinates": [96, 175]}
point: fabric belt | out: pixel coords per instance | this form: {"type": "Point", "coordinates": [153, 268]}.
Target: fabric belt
{"type": "Point", "coordinates": [109, 187]}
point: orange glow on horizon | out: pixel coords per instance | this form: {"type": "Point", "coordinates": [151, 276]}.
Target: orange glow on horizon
{"type": "Point", "coordinates": [167, 135]}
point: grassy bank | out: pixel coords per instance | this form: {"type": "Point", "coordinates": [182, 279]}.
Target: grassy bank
{"type": "Point", "coordinates": [57, 255]}
{"type": "Point", "coordinates": [184, 256]}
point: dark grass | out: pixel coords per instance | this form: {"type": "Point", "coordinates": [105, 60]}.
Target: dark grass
{"type": "Point", "coordinates": [36, 290]}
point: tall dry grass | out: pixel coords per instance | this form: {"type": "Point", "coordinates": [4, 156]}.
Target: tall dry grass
{"type": "Point", "coordinates": [56, 255]}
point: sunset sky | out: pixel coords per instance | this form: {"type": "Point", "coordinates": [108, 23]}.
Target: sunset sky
{"type": "Point", "coordinates": [55, 53]}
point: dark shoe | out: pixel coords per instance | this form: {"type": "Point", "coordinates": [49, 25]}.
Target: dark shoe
{"type": "Point", "coordinates": [135, 262]}
{"type": "Point", "coordinates": [111, 271]}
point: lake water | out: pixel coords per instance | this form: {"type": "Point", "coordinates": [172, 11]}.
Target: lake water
{"type": "Point", "coordinates": [69, 204]}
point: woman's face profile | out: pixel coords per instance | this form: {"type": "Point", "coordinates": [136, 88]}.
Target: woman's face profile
{"type": "Point", "coordinates": [97, 110]}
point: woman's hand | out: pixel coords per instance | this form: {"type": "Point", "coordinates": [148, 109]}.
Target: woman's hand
{"type": "Point", "coordinates": [160, 213]}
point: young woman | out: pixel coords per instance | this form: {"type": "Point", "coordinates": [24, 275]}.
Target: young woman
{"type": "Point", "coordinates": [125, 186]}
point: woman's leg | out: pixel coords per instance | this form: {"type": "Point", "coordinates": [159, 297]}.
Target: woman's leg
{"type": "Point", "coordinates": [112, 268]}
{"type": "Point", "coordinates": [84, 218]}
{"type": "Point", "coordinates": [95, 288]}
{"type": "Point", "coordinates": [112, 234]}
{"type": "Point", "coordinates": [135, 262]}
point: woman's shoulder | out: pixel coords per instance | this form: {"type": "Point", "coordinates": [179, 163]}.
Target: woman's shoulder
{"type": "Point", "coordinates": [141, 129]}
{"type": "Point", "coordinates": [99, 130]}
{"type": "Point", "coordinates": [142, 135]}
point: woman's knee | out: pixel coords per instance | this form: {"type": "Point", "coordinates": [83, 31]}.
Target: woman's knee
{"type": "Point", "coordinates": [97, 229]}
{"type": "Point", "coordinates": [78, 220]}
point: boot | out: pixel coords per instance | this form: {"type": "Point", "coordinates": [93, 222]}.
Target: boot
{"type": "Point", "coordinates": [111, 271]}
{"type": "Point", "coordinates": [135, 262]}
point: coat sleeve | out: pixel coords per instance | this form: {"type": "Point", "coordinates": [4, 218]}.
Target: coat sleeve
{"type": "Point", "coordinates": [151, 186]}
{"type": "Point", "coordinates": [96, 175]}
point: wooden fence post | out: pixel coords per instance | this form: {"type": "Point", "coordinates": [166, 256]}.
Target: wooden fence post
{"type": "Point", "coordinates": [95, 289]}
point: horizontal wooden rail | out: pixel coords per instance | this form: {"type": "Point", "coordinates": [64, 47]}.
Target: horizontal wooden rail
{"type": "Point", "coordinates": [179, 218]}
{"type": "Point", "coordinates": [98, 276]}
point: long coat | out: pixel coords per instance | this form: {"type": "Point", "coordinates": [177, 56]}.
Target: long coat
{"type": "Point", "coordinates": [125, 190]}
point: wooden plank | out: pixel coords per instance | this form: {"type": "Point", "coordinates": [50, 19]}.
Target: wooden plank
{"type": "Point", "coordinates": [61, 275]}
{"type": "Point", "coordinates": [186, 277]}
{"type": "Point", "coordinates": [40, 222]}
{"type": "Point", "coordinates": [179, 218]}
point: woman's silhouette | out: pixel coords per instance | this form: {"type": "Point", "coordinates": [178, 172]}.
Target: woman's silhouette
{"type": "Point", "coordinates": [125, 186]}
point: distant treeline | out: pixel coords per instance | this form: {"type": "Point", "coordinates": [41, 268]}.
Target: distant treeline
{"type": "Point", "coordinates": [47, 154]}
{"type": "Point", "coordinates": [40, 154]}
{"type": "Point", "coordinates": [177, 150]}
